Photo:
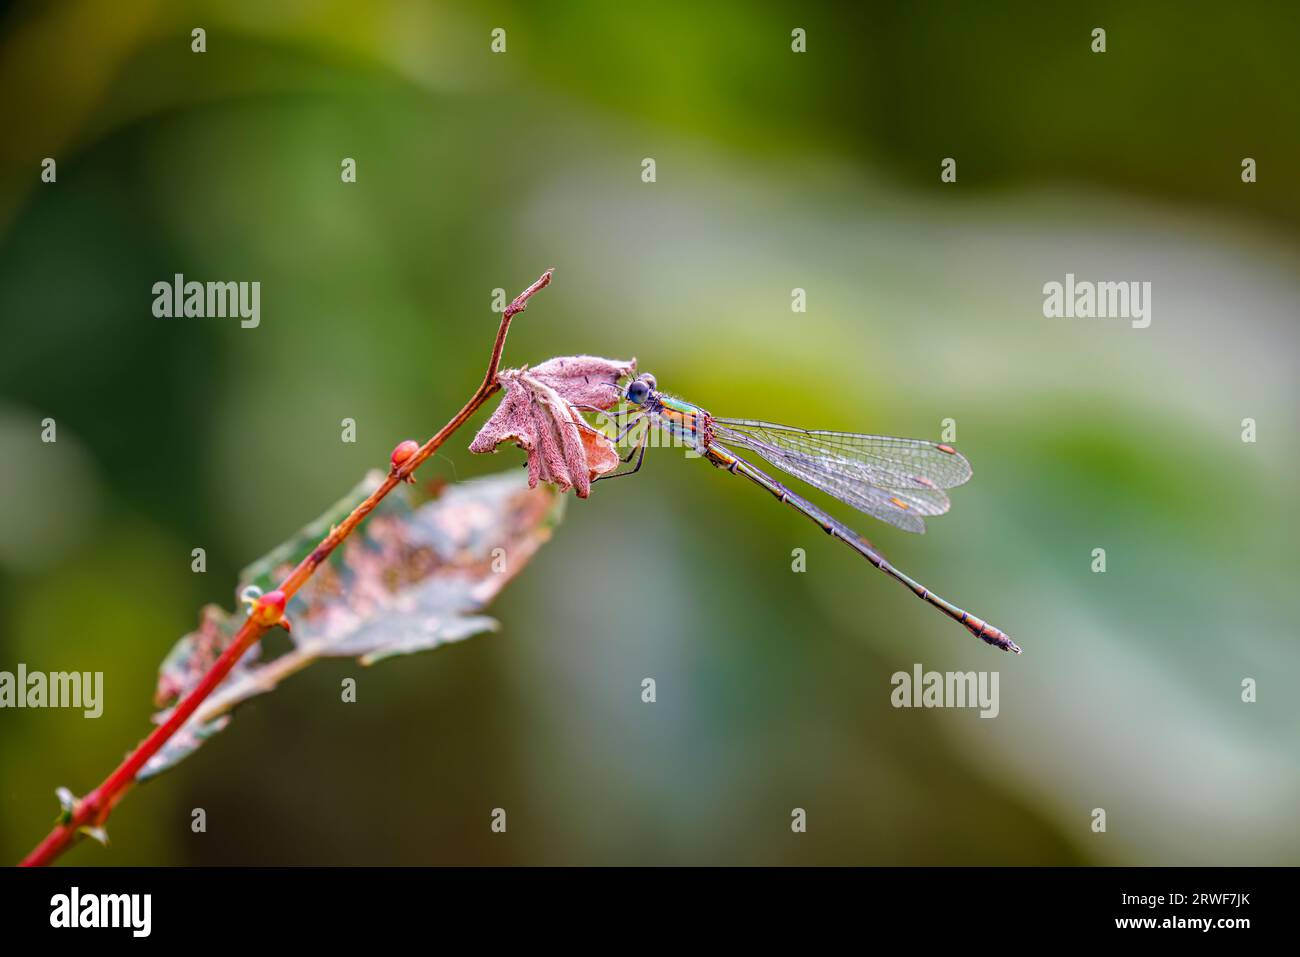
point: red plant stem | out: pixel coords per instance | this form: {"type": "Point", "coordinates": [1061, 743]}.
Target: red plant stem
{"type": "Point", "coordinates": [94, 808]}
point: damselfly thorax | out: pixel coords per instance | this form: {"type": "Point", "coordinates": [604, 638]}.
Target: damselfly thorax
{"type": "Point", "coordinates": [899, 481]}
{"type": "Point", "coordinates": [686, 423]}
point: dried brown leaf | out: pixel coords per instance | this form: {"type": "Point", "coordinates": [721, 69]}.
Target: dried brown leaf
{"type": "Point", "coordinates": [541, 414]}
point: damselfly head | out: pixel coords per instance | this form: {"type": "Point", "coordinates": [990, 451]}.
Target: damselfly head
{"type": "Point", "coordinates": [639, 389]}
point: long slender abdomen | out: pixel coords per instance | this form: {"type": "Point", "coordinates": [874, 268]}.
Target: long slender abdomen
{"type": "Point", "coordinates": [976, 626]}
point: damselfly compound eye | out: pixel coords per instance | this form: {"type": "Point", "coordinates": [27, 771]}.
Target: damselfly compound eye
{"type": "Point", "coordinates": [637, 391]}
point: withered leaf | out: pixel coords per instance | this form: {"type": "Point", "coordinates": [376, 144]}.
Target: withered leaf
{"type": "Point", "coordinates": [539, 414]}
{"type": "Point", "coordinates": [412, 577]}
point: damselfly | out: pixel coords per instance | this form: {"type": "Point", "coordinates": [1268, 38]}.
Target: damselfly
{"type": "Point", "coordinates": [900, 481]}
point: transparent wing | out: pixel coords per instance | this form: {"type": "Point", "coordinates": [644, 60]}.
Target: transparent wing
{"type": "Point", "coordinates": [879, 460]}
{"type": "Point", "coordinates": [902, 508]}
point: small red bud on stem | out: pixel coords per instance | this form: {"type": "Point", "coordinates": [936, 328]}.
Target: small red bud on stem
{"type": "Point", "coordinates": [402, 453]}
{"type": "Point", "coordinates": [269, 610]}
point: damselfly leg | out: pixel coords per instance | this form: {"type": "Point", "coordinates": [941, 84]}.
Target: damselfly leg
{"type": "Point", "coordinates": [638, 450]}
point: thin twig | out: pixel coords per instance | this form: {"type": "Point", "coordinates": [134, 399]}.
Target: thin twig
{"type": "Point", "coordinates": [93, 810]}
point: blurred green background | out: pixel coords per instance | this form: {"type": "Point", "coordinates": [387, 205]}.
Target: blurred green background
{"type": "Point", "coordinates": [775, 170]}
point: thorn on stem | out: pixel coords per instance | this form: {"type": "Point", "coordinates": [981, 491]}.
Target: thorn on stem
{"type": "Point", "coordinates": [95, 833]}
{"type": "Point", "coordinates": [67, 805]}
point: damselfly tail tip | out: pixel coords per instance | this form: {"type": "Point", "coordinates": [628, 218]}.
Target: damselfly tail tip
{"type": "Point", "coordinates": [1004, 642]}
{"type": "Point", "coordinates": [992, 636]}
